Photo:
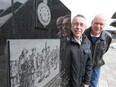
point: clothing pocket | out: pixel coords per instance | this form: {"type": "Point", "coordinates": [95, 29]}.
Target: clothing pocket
{"type": "Point", "coordinates": [87, 51]}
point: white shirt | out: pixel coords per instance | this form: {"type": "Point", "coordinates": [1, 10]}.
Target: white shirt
{"type": "Point", "coordinates": [96, 35]}
{"type": "Point", "coordinates": [78, 40]}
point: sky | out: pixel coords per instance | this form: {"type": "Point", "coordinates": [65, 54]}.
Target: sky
{"type": "Point", "coordinates": [89, 8]}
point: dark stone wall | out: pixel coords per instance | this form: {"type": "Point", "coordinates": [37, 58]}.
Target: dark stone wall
{"type": "Point", "coordinates": [22, 25]}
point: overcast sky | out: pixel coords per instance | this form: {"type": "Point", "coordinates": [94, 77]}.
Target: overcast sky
{"type": "Point", "coordinates": [90, 8]}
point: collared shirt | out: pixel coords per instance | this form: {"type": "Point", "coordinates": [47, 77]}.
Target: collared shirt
{"type": "Point", "coordinates": [94, 38]}
{"type": "Point", "coordinates": [78, 40]}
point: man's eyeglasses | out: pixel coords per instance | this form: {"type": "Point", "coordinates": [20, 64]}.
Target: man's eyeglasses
{"type": "Point", "coordinates": [78, 24]}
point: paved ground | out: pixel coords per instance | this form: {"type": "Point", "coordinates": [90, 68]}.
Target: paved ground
{"type": "Point", "coordinates": [108, 71]}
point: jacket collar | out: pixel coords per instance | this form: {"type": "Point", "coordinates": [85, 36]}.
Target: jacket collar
{"type": "Point", "coordinates": [73, 39]}
{"type": "Point", "coordinates": [102, 36]}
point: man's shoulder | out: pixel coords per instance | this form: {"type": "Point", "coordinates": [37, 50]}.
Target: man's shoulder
{"type": "Point", "coordinates": [86, 39]}
{"type": "Point", "coordinates": [107, 34]}
{"type": "Point", "coordinates": [87, 31]}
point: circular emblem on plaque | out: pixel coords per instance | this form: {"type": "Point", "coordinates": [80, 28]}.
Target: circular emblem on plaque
{"type": "Point", "coordinates": [44, 14]}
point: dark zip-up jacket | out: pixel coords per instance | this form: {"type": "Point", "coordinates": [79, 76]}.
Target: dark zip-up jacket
{"type": "Point", "coordinates": [99, 48]}
{"type": "Point", "coordinates": [81, 62]}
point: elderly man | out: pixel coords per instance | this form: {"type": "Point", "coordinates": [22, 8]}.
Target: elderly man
{"type": "Point", "coordinates": [100, 42]}
{"type": "Point", "coordinates": [80, 54]}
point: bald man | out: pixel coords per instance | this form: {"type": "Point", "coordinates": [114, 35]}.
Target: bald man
{"type": "Point", "coordinates": [100, 42]}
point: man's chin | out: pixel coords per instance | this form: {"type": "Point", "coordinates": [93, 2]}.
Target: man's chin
{"type": "Point", "coordinates": [78, 35]}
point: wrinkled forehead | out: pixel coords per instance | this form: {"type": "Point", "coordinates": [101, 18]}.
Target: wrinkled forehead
{"type": "Point", "coordinates": [99, 21]}
{"type": "Point", "coordinates": [79, 20]}
{"type": "Point", "coordinates": [99, 18]}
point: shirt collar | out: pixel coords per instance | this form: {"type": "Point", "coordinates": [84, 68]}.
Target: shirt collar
{"type": "Point", "coordinates": [78, 40]}
{"type": "Point", "coordinates": [94, 35]}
